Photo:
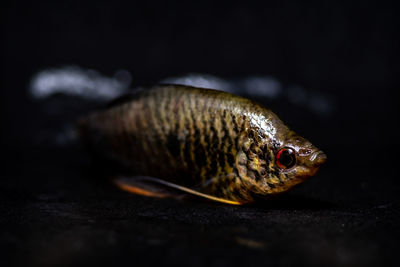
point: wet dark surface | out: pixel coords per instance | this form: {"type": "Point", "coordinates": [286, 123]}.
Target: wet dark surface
{"type": "Point", "coordinates": [54, 209]}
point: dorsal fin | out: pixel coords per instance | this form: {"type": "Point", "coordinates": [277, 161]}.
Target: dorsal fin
{"type": "Point", "coordinates": [140, 92]}
{"type": "Point", "coordinates": [122, 100]}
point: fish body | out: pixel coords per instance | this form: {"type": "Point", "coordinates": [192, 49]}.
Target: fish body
{"type": "Point", "coordinates": [203, 140]}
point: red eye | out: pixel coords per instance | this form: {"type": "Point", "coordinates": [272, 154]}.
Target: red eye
{"type": "Point", "coordinates": [286, 158]}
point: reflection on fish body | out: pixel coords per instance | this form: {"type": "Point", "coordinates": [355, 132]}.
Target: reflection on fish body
{"type": "Point", "coordinates": [209, 142]}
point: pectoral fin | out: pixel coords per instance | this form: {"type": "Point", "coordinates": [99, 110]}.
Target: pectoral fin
{"type": "Point", "coordinates": [145, 186]}
{"type": "Point", "coordinates": [153, 187]}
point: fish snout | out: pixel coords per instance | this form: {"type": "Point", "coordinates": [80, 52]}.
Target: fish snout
{"type": "Point", "coordinates": [318, 158]}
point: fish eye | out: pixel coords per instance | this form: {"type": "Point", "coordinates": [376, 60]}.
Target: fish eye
{"type": "Point", "coordinates": [286, 158]}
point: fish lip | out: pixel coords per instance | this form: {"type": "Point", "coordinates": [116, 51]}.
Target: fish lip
{"type": "Point", "coordinates": [318, 158]}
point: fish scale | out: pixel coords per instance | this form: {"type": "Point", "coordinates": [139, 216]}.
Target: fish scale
{"type": "Point", "coordinates": [202, 141]}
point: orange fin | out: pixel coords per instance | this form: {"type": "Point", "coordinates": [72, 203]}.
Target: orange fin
{"type": "Point", "coordinates": [153, 187]}
{"type": "Point", "coordinates": [138, 185]}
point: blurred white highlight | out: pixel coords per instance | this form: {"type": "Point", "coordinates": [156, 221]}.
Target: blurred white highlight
{"type": "Point", "coordinates": [200, 80]}
{"type": "Point", "coordinates": [316, 102]}
{"type": "Point", "coordinates": [259, 86]}
{"type": "Point", "coordinates": [86, 83]}
{"type": "Point", "coordinates": [91, 85]}
{"type": "Point", "coordinates": [262, 86]}
{"type": "Point", "coordinates": [253, 85]}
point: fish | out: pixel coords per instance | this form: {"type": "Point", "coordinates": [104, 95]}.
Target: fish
{"type": "Point", "coordinates": [175, 140]}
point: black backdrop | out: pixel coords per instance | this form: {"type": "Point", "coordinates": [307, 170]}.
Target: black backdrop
{"type": "Point", "coordinates": [53, 210]}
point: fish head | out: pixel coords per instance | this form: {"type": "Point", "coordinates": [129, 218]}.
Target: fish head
{"type": "Point", "coordinates": [275, 165]}
{"type": "Point", "coordinates": [293, 160]}
{"type": "Point", "coordinates": [278, 158]}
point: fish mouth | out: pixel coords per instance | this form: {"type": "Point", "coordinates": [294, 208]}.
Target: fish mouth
{"type": "Point", "coordinates": [318, 158]}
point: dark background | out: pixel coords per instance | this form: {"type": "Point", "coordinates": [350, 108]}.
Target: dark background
{"type": "Point", "coordinates": [53, 209]}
